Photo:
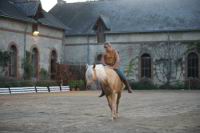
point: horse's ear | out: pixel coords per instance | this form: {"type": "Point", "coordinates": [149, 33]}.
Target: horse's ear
{"type": "Point", "coordinates": [94, 66]}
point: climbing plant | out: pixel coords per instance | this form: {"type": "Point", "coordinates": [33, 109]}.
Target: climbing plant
{"type": "Point", "coordinates": [4, 58]}
{"type": "Point", "coordinates": [129, 70]}
{"type": "Point", "coordinates": [194, 45]}
{"type": "Point", "coordinates": [27, 66]}
{"type": "Point", "coordinates": [4, 61]}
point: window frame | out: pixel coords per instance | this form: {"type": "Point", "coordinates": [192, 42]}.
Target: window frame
{"type": "Point", "coordinates": [195, 76]}
{"type": "Point", "coordinates": [145, 58]}
{"type": "Point", "coordinates": [10, 67]}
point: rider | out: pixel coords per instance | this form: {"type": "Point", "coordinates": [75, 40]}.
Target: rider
{"type": "Point", "coordinates": [111, 58]}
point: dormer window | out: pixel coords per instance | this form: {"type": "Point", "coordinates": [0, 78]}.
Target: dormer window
{"type": "Point", "coordinates": [38, 13]}
{"type": "Point", "coordinates": [100, 32]}
{"type": "Point", "coordinates": [100, 27]}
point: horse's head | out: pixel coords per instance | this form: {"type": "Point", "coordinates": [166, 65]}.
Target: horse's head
{"type": "Point", "coordinates": [94, 73]}
{"type": "Point", "coordinates": [90, 75]}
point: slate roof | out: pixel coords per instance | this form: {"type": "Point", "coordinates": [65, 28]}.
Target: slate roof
{"type": "Point", "coordinates": [50, 20]}
{"type": "Point", "coordinates": [25, 11]}
{"type": "Point", "coordinates": [9, 10]}
{"type": "Point", "coordinates": [131, 15]}
{"type": "Point", "coordinates": [29, 8]}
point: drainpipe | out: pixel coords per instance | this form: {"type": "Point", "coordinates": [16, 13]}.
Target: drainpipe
{"type": "Point", "coordinates": [25, 31]}
{"type": "Point", "coordinates": [88, 50]}
{"type": "Point", "coordinates": [63, 48]}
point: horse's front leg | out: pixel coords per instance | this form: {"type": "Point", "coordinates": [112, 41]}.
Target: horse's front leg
{"type": "Point", "coordinates": [114, 106]}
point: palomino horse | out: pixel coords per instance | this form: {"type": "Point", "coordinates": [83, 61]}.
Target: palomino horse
{"type": "Point", "coordinates": [109, 82]}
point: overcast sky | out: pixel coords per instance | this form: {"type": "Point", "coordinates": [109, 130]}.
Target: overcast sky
{"type": "Point", "coordinates": [48, 4]}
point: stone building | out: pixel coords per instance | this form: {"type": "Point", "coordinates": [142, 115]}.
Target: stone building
{"type": "Point", "coordinates": [25, 26]}
{"type": "Point", "coordinates": [152, 36]}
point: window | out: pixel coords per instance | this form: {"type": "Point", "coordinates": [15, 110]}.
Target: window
{"type": "Point", "coordinates": [193, 65]}
{"type": "Point", "coordinates": [13, 61]}
{"type": "Point", "coordinates": [145, 66]}
{"type": "Point", "coordinates": [53, 64]}
{"type": "Point", "coordinates": [35, 58]}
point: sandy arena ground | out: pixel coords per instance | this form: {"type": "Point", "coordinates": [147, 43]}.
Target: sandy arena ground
{"type": "Point", "coordinates": [83, 112]}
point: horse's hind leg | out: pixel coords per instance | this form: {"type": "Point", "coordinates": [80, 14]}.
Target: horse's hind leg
{"type": "Point", "coordinates": [118, 99]}
{"type": "Point", "coordinates": [109, 99]}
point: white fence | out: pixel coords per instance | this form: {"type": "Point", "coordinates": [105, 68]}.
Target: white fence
{"type": "Point", "coordinates": [37, 89]}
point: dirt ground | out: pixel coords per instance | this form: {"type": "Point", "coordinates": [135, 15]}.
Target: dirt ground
{"type": "Point", "coordinates": [83, 112]}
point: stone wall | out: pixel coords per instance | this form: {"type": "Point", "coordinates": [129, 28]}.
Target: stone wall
{"type": "Point", "coordinates": [20, 34]}
{"type": "Point", "coordinates": [160, 46]}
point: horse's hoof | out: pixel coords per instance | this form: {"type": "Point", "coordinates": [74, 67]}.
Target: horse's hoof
{"type": "Point", "coordinates": [130, 91]}
{"type": "Point", "coordinates": [114, 118]}
{"type": "Point", "coordinates": [117, 115]}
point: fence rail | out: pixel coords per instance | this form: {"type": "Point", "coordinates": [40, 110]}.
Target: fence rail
{"type": "Point", "coordinates": [32, 89]}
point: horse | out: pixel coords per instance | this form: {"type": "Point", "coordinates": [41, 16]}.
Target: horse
{"type": "Point", "coordinates": [110, 83]}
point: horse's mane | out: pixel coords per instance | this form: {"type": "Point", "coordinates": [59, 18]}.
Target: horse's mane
{"type": "Point", "coordinates": [99, 69]}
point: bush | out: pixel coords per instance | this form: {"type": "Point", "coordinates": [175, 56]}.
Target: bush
{"type": "Point", "coordinates": [26, 83]}
{"type": "Point", "coordinates": [193, 84]}
{"type": "Point", "coordinates": [43, 74]}
{"type": "Point", "coordinates": [23, 83]}
{"type": "Point", "coordinates": [76, 84]}
{"type": "Point", "coordinates": [177, 86]}
{"type": "Point", "coordinates": [45, 83]}
{"type": "Point", "coordinates": [143, 85]}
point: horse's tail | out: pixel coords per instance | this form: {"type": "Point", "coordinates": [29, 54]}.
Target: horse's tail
{"type": "Point", "coordinates": [102, 94]}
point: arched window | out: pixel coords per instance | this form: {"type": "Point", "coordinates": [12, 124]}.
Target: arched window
{"type": "Point", "coordinates": [145, 66]}
{"type": "Point", "coordinates": [192, 63]}
{"type": "Point", "coordinates": [13, 62]}
{"type": "Point", "coordinates": [35, 60]}
{"type": "Point", "coordinates": [53, 64]}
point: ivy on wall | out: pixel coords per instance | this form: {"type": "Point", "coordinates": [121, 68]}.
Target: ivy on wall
{"type": "Point", "coordinates": [4, 61]}
{"type": "Point", "coordinates": [194, 46]}
{"type": "Point", "coordinates": [28, 67]}
{"type": "Point", "coordinates": [4, 58]}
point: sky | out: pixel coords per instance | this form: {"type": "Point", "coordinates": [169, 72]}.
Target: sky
{"type": "Point", "coordinates": [48, 4]}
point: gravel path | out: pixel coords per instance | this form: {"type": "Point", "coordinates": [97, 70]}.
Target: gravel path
{"type": "Point", "coordinates": [83, 112]}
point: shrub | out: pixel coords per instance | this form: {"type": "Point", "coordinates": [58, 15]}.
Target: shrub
{"type": "Point", "coordinates": [143, 85]}
{"type": "Point", "coordinates": [193, 84]}
{"type": "Point", "coordinates": [76, 84]}
{"type": "Point", "coordinates": [23, 83]}
{"type": "Point", "coordinates": [43, 74]}
{"type": "Point", "coordinates": [26, 83]}
{"type": "Point", "coordinates": [45, 83]}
